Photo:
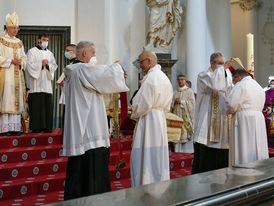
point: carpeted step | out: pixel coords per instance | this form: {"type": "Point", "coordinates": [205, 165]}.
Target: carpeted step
{"type": "Point", "coordinates": [180, 160]}
{"type": "Point", "coordinates": [114, 157]}
{"type": "Point", "coordinates": [126, 144]}
{"type": "Point", "coordinates": [271, 152]}
{"type": "Point", "coordinates": [30, 186]}
{"type": "Point", "coordinates": [32, 139]}
{"type": "Point", "coordinates": [27, 169]}
{"type": "Point", "coordinates": [24, 154]}
{"type": "Point", "coordinates": [40, 199]}
{"type": "Point", "coordinates": [119, 174]}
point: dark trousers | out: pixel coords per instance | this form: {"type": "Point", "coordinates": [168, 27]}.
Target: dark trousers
{"type": "Point", "coordinates": [87, 174]}
{"type": "Point", "coordinates": [41, 111]}
{"type": "Point", "coordinates": [207, 158]}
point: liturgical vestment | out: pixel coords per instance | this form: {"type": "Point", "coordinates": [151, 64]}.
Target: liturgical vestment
{"type": "Point", "coordinates": [39, 82]}
{"type": "Point", "coordinates": [185, 110]}
{"type": "Point", "coordinates": [210, 120]}
{"type": "Point", "coordinates": [150, 156]}
{"type": "Point", "coordinates": [248, 139]}
{"type": "Point", "coordinates": [269, 114]}
{"type": "Point", "coordinates": [86, 136]}
{"type": "Point", "coordinates": [12, 85]}
{"type": "Point", "coordinates": [86, 121]}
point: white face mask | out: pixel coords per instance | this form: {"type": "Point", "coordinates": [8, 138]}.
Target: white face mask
{"type": "Point", "coordinates": [44, 44]}
{"type": "Point", "coordinates": [271, 86]}
{"type": "Point", "coordinates": [93, 61]}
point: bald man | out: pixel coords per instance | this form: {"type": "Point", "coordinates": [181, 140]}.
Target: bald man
{"type": "Point", "coordinates": [149, 157]}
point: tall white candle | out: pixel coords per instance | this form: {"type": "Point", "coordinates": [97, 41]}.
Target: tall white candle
{"type": "Point", "coordinates": [250, 53]}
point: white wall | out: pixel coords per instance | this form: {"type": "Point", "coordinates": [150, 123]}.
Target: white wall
{"type": "Point", "coordinates": [244, 22]}
{"type": "Point", "coordinates": [263, 66]}
{"type": "Point", "coordinates": [117, 30]}
{"type": "Point", "coordinates": [38, 12]}
{"type": "Point", "coordinates": [208, 30]}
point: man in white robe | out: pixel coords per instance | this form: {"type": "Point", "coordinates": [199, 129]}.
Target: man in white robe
{"type": "Point", "coordinates": [150, 157]}
{"type": "Point", "coordinates": [41, 66]}
{"type": "Point", "coordinates": [86, 137]}
{"type": "Point", "coordinates": [210, 119]}
{"type": "Point", "coordinates": [183, 104]}
{"type": "Point", "coordinates": [12, 84]}
{"type": "Point", "coordinates": [248, 139]}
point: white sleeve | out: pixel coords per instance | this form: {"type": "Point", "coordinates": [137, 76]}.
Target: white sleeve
{"type": "Point", "coordinates": [34, 64]}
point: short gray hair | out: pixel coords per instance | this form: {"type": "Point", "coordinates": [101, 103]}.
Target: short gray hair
{"type": "Point", "coordinates": [81, 46]}
{"type": "Point", "coordinates": [215, 55]}
{"type": "Point", "coordinates": [241, 72]}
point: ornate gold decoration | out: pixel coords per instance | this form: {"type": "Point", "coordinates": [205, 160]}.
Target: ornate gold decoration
{"type": "Point", "coordinates": [170, 19]}
{"type": "Point", "coordinates": [10, 44]}
{"type": "Point", "coordinates": [215, 103]}
{"type": "Point", "coordinates": [247, 5]}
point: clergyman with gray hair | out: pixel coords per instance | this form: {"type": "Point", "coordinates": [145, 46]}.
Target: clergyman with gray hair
{"type": "Point", "coordinates": [210, 119]}
{"type": "Point", "coordinates": [86, 137]}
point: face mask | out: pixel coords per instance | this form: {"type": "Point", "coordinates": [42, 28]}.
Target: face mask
{"type": "Point", "coordinates": [44, 44]}
{"type": "Point", "coordinates": [93, 60]}
{"type": "Point", "coordinates": [271, 86]}
{"type": "Point", "coordinates": [67, 55]}
{"type": "Point", "coordinates": [219, 66]}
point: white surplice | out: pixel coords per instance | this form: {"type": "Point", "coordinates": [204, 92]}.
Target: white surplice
{"type": "Point", "coordinates": [40, 80]}
{"type": "Point", "coordinates": [187, 99]}
{"type": "Point", "coordinates": [85, 115]}
{"type": "Point", "coordinates": [207, 83]}
{"type": "Point", "coordinates": [150, 157]}
{"type": "Point", "coordinates": [248, 139]}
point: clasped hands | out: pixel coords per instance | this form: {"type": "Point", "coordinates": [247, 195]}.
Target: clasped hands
{"type": "Point", "coordinates": [45, 63]}
{"type": "Point", "coordinates": [16, 61]}
{"type": "Point", "coordinates": [177, 101]}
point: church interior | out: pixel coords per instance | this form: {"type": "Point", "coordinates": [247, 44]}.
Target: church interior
{"type": "Point", "coordinates": [32, 167]}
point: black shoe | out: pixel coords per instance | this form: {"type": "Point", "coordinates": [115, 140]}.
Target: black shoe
{"type": "Point", "coordinates": [47, 130]}
{"type": "Point", "coordinates": [36, 131]}
{"type": "Point", "coordinates": [5, 134]}
{"type": "Point", "coordinates": [15, 133]}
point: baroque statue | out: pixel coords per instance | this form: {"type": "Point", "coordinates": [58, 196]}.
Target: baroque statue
{"type": "Point", "coordinates": [165, 20]}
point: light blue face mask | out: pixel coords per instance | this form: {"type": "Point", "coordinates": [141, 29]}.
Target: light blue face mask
{"type": "Point", "coordinates": [44, 44]}
{"type": "Point", "coordinates": [67, 55]}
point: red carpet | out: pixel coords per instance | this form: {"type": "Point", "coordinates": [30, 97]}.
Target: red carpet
{"type": "Point", "coordinates": [33, 173]}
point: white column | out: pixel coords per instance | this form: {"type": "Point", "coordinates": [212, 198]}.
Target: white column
{"type": "Point", "coordinates": [219, 37]}
{"type": "Point", "coordinates": [208, 30]}
{"type": "Point", "coordinates": [137, 28]}
{"type": "Point", "coordinates": [195, 39]}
